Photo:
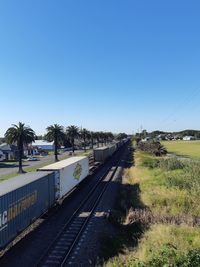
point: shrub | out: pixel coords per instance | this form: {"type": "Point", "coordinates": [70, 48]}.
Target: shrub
{"type": "Point", "coordinates": [171, 164]}
{"type": "Point", "coordinates": [153, 147]}
{"type": "Point", "coordinates": [151, 163]}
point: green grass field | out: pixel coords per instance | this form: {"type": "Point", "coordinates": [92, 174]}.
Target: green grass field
{"type": "Point", "coordinates": [183, 148]}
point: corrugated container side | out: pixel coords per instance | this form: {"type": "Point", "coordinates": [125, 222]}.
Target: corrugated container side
{"type": "Point", "coordinates": [112, 149]}
{"type": "Point", "coordinates": [69, 176]}
{"type": "Point", "coordinates": [101, 154]}
{"type": "Point", "coordinates": [20, 207]}
{"type": "Point", "coordinates": [72, 175]}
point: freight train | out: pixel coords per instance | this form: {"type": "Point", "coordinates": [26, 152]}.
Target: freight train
{"type": "Point", "coordinates": [25, 198]}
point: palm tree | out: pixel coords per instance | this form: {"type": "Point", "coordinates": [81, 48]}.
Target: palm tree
{"type": "Point", "coordinates": [21, 135]}
{"type": "Point", "coordinates": [109, 137]}
{"type": "Point", "coordinates": [102, 137]}
{"type": "Point", "coordinates": [96, 135]}
{"type": "Point", "coordinates": [92, 136]}
{"type": "Point", "coordinates": [85, 134]}
{"type": "Point", "coordinates": [72, 133]}
{"type": "Point", "coordinates": [121, 136]}
{"type": "Point", "coordinates": [56, 134]}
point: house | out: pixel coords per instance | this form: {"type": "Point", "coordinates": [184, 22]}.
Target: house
{"type": "Point", "coordinates": [42, 145]}
{"type": "Point", "coordinates": [10, 151]}
{"type": "Point", "coordinates": [189, 138]}
{"type": "Point", "coordinates": [2, 156]}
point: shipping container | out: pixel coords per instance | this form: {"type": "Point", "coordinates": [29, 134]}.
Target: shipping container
{"type": "Point", "coordinates": [68, 174]}
{"type": "Point", "coordinates": [112, 150]}
{"type": "Point", "coordinates": [22, 200]}
{"type": "Point", "coordinates": [101, 154]}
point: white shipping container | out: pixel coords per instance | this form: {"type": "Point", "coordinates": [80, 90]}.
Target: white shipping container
{"type": "Point", "coordinates": [69, 173]}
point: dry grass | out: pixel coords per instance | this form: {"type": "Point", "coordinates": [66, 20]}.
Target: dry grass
{"type": "Point", "coordinates": [170, 196]}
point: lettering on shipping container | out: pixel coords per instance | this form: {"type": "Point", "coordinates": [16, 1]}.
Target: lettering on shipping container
{"type": "Point", "coordinates": [3, 220]}
{"type": "Point", "coordinates": [77, 171]}
{"type": "Point", "coordinates": [17, 208]}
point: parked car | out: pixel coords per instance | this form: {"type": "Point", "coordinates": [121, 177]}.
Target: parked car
{"type": "Point", "coordinates": [31, 159]}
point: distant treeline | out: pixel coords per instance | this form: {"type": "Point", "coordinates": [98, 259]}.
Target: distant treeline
{"type": "Point", "coordinates": [195, 133]}
{"type": "Point", "coordinates": [181, 134]}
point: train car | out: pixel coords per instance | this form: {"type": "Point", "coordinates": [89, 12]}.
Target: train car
{"type": "Point", "coordinates": [101, 154]}
{"type": "Point", "coordinates": [112, 150]}
{"type": "Point", "coordinates": [22, 200]}
{"type": "Point", "coordinates": [68, 174]}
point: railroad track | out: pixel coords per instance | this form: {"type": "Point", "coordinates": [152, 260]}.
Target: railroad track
{"type": "Point", "coordinates": [59, 251]}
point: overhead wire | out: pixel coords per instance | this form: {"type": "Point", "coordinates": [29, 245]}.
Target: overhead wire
{"type": "Point", "coordinates": [180, 106]}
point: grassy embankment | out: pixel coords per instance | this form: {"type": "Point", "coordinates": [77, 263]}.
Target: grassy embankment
{"type": "Point", "coordinates": [160, 215]}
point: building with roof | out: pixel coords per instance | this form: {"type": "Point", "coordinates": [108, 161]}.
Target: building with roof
{"type": "Point", "coordinates": [189, 138]}
{"type": "Point", "coordinates": [43, 145]}
{"type": "Point", "coordinates": [10, 151]}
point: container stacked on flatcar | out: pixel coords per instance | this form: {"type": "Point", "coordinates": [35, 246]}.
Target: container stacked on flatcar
{"type": "Point", "coordinates": [101, 154]}
{"type": "Point", "coordinates": [26, 197]}
{"type": "Point", "coordinates": [23, 199]}
{"type": "Point", "coordinates": [68, 173]}
{"type": "Point", "coordinates": [113, 149]}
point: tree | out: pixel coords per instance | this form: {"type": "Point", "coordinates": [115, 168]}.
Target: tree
{"type": "Point", "coordinates": [121, 136]}
{"type": "Point", "coordinates": [101, 137]}
{"type": "Point", "coordinates": [85, 134]}
{"type": "Point", "coordinates": [72, 133]}
{"type": "Point", "coordinates": [56, 134]}
{"type": "Point", "coordinates": [21, 135]}
{"type": "Point", "coordinates": [109, 137]}
{"type": "Point", "coordinates": [92, 136]}
{"type": "Point", "coordinates": [96, 135]}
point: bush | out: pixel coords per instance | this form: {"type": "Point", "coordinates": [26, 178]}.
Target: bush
{"type": "Point", "coordinates": [171, 164]}
{"type": "Point", "coordinates": [151, 163]}
{"type": "Point", "coordinates": [153, 147]}
{"type": "Point", "coordinates": [169, 256]}
{"type": "Point", "coordinates": [188, 179]}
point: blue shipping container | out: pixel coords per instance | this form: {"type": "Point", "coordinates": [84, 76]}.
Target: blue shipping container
{"type": "Point", "coordinates": [22, 200]}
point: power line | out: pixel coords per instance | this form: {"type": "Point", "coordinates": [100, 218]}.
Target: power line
{"type": "Point", "coordinates": [181, 105]}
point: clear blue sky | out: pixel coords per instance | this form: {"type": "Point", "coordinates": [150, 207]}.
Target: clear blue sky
{"type": "Point", "coordinates": [110, 65]}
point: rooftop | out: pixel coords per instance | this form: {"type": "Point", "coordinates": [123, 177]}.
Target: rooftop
{"type": "Point", "coordinates": [63, 163]}
{"type": "Point", "coordinates": [19, 181]}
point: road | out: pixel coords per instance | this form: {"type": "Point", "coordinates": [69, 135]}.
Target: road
{"type": "Point", "coordinates": [28, 164]}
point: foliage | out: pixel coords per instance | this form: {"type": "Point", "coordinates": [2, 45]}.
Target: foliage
{"type": "Point", "coordinates": [121, 136]}
{"type": "Point", "coordinates": [85, 135]}
{"type": "Point", "coordinates": [56, 134]}
{"type": "Point", "coordinates": [72, 133]}
{"type": "Point", "coordinates": [167, 164]}
{"type": "Point", "coordinates": [163, 245]}
{"type": "Point", "coordinates": [21, 135]}
{"type": "Point", "coordinates": [163, 195]}
{"type": "Point", "coordinates": [153, 147]}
